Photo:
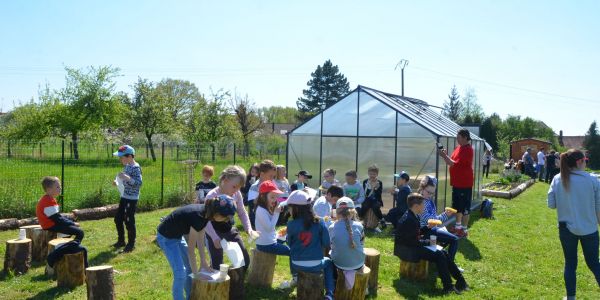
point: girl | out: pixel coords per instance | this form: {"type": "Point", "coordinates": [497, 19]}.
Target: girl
{"type": "Point", "coordinates": [267, 214]}
{"type": "Point", "coordinates": [576, 196]}
{"type": "Point", "coordinates": [282, 182]}
{"type": "Point", "coordinates": [190, 219]}
{"type": "Point", "coordinates": [347, 239]}
{"type": "Point", "coordinates": [427, 190]}
{"type": "Point", "coordinates": [230, 181]}
{"type": "Point", "coordinates": [328, 180]}
{"type": "Point", "coordinates": [373, 189]}
{"type": "Point", "coordinates": [250, 180]}
{"type": "Point", "coordinates": [308, 238]}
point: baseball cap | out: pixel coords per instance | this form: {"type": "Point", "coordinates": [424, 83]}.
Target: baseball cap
{"type": "Point", "coordinates": [305, 174]}
{"type": "Point", "coordinates": [225, 205]}
{"type": "Point", "coordinates": [268, 187]}
{"type": "Point", "coordinates": [402, 175]}
{"type": "Point", "coordinates": [298, 197]}
{"type": "Point", "coordinates": [345, 201]}
{"type": "Point", "coordinates": [124, 150]}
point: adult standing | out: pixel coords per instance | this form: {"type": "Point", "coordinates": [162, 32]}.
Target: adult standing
{"type": "Point", "coordinates": [487, 161]}
{"type": "Point", "coordinates": [575, 194]}
{"type": "Point", "coordinates": [461, 179]}
{"type": "Point", "coordinates": [528, 168]}
{"type": "Point", "coordinates": [551, 163]}
{"type": "Point", "coordinates": [541, 161]}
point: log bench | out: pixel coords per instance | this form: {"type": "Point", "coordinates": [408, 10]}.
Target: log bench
{"type": "Point", "coordinates": [203, 289]}
{"type": "Point", "coordinates": [414, 270]}
{"type": "Point", "coordinates": [372, 261]}
{"type": "Point", "coordinates": [17, 257]}
{"type": "Point", "coordinates": [262, 268]}
{"type": "Point", "coordinates": [358, 291]}
{"type": "Point", "coordinates": [310, 285]}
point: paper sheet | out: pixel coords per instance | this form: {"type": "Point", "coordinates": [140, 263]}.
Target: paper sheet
{"type": "Point", "coordinates": [436, 248]}
{"type": "Point", "coordinates": [120, 185]}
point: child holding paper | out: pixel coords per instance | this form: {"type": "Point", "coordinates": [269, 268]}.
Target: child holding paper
{"type": "Point", "coordinates": [131, 179]}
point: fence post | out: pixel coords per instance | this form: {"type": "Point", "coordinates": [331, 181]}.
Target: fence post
{"type": "Point", "coordinates": [40, 150]}
{"type": "Point", "coordinates": [62, 176]}
{"type": "Point", "coordinates": [234, 153]}
{"type": "Point", "coordinates": [162, 173]}
{"type": "Point", "coordinates": [8, 148]}
{"type": "Point", "coordinates": [177, 156]}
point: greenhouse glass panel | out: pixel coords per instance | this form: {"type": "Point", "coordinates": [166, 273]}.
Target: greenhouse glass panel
{"type": "Point", "coordinates": [303, 154]}
{"type": "Point", "coordinates": [375, 118]}
{"type": "Point", "coordinates": [379, 151]}
{"type": "Point", "coordinates": [443, 177]}
{"type": "Point", "coordinates": [408, 128]}
{"type": "Point", "coordinates": [416, 156]}
{"type": "Point", "coordinates": [339, 153]}
{"type": "Point", "coordinates": [312, 126]}
{"type": "Point", "coordinates": [341, 118]}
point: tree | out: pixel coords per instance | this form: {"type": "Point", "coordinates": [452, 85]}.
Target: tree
{"type": "Point", "coordinates": [471, 112]}
{"type": "Point", "coordinates": [179, 96]}
{"type": "Point", "coordinates": [489, 130]}
{"type": "Point", "coordinates": [592, 144]}
{"type": "Point", "coordinates": [278, 114]}
{"type": "Point", "coordinates": [326, 87]}
{"type": "Point", "coordinates": [247, 118]}
{"type": "Point", "coordinates": [453, 108]}
{"type": "Point", "coordinates": [87, 102]}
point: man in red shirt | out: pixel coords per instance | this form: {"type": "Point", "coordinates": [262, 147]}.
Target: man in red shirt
{"type": "Point", "coordinates": [461, 179]}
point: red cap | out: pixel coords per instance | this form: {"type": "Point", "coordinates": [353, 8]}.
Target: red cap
{"type": "Point", "coordinates": [269, 187]}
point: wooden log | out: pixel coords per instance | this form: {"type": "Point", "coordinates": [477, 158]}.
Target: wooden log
{"type": "Point", "coordinates": [70, 270]}
{"type": "Point", "coordinates": [17, 257]}
{"type": "Point", "coordinates": [203, 289]}
{"type": "Point", "coordinates": [28, 221]}
{"type": "Point", "coordinates": [52, 244]}
{"type": "Point", "coordinates": [100, 283]}
{"type": "Point", "coordinates": [310, 285]}
{"type": "Point", "coordinates": [414, 270]}
{"type": "Point", "coordinates": [96, 213]}
{"type": "Point", "coordinates": [39, 241]}
{"type": "Point", "coordinates": [6, 224]}
{"type": "Point", "coordinates": [358, 290]}
{"type": "Point", "coordinates": [236, 283]}
{"type": "Point", "coordinates": [371, 221]}
{"type": "Point", "coordinates": [372, 257]}
{"type": "Point", "coordinates": [262, 268]}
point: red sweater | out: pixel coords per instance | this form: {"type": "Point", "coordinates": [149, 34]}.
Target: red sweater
{"type": "Point", "coordinates": [461, 173]}
{"type": "Point", "coordinates": [46, 207]}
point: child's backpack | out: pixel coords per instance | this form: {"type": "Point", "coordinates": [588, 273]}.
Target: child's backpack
{"type": "Point", "coordinates": [487, 209]}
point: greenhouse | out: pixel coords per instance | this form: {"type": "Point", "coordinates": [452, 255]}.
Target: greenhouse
{"type": "Point", "coordinates": [373, 127]}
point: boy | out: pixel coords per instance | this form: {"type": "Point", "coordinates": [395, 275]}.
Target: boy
{"type": "Point", "coordinates": [300, 183]}
{"type": "Point", "coordinates": [400, 195]}
{"type": "Point", "coordinates": [409, 246]}
{"type": "Point", "coordinates": [324, 204]}
{"type": "Point", "coordinates": [131, 178]}
{"type": "Point", "coordinates": [206, 184]}
{"type": "Point", "coordinates": [47, 211]}
{"type": "Point", "coordinates": [354, 190]}
{"type": "Point", "coordinates": [266, 171]}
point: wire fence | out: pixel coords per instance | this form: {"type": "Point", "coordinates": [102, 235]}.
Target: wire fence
{"type": "Point", "coordinates": [88, 169]}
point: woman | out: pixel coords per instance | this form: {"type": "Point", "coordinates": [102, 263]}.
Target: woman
{"type": "Point", "coordinates": [576, 196]}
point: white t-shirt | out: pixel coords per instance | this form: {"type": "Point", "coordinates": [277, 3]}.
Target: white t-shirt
{"type": "Point", "coordinates": [265, 224]}
{"type": "Point", "coordinates": [541, 158]}
{"type": "Point", "coordinates": [322, 208]}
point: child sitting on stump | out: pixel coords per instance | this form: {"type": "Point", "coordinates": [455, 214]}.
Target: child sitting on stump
{"type": "Point", "coordinates": [47, 211]}
{"type": "Point", "coordinates": [409, 245]}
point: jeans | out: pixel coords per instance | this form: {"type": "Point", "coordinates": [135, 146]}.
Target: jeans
{"type": "Point", "coordinates": [486, 169]}
{"type": "Point", "coordinates": [589, 244]}
{"type": "Point", "coordinates": [126, 214]}
{"type": "Point", "coordinates": [176, 251]}
{"type": "Point", "coordinates": [326, 266]}
{"type": "Point", "coordinates": [541, 172]}
{"type": "Point", "coordinates": [68, 229]}
{"type": "Point", "coordinates": [444, 238]}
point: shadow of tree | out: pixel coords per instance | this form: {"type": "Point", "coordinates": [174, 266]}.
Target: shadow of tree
{"type": "Point", "coordinates": [52, 293]}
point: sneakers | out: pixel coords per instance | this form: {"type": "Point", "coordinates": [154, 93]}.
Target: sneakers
{"type": "Point", "coordinates": [461, 285]}
{"type": "Point", "coordinates": [288, 284]}
{"type": "Point", "coordinates": [129, 248]}
{"type": "Point", "coordinates": [450, 290]}
{"type": "Point", "coordinates": [460, 232]}
{"type": "Point", "coordinates": [119, 244]}
{"type": "Point", "coordinates": [460, 269]}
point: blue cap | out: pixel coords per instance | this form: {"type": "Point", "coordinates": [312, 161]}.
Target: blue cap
{"type": "Point", "coordinates": [124, 150]}
{"type": "Point", "coordinates": [402, 175]}
{"type": "Point", "coordinates": [225, 205]}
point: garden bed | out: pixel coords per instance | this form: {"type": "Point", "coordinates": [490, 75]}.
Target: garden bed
{"type": "Point", "coordinates": [506, 191]}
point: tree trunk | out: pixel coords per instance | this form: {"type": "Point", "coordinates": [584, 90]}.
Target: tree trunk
{"type": "Point", "coordinates": [11, 223]}
{"type": "Point", "coordinates": [151, 146]}
{"type": "Point", "coordinates": [70, 270]}
{"type": "Point", "coordinates": [310, 285]}
{"type": "Point", "coordinates": [246, 146]}
{"type": "Point", "coordinates": [210, 290]}
{"type": "Point", "coordinates": [357, 292]}
{"type": "Point", "coordinates": [213, 149]}
{"type": "Point", "coordinates": [17, 257]}
{"type": "Point", "coordinates": [96, 213]}
{"type": "Point", "coordinates": [414, 270]}
{"type": "Point", "coordinates": [371, 221]}
{"type": "Point", "coordinates": [100, 283]}
{"type": "Point", "coordinates": [74, 139]}
{"type": "Point", "coordinates": [236, 283]}
{"type": "Point", "coordinates": [262, 268]}
{"type": "Point", "coordinates": [372, 261]}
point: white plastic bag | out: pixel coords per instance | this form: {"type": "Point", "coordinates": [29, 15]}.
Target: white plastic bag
{"type": "Point", "coordinates": [234, 252]}
{"type": "Point", "coordinates": [120, 185]}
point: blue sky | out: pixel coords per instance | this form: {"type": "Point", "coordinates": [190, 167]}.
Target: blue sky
{"type": "Point", "coordinates": [531, 58]}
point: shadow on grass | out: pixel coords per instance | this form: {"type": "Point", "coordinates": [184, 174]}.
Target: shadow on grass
{"type": "Point", "coordinates": [52, 293]}
{"type": "Point", "coordinates": [40, 277]}
{"type": "Point", "coordinates": [268, 293]}
{"type": "Point", "coordinates": [102, 257]}
{"type": "Point", "coordinates": [411, 289]}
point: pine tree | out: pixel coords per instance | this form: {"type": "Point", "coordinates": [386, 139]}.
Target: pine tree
{"type": "Point", "coordinates": [327, 86]}
{"type": "Point", "coordinates": [592, 144]}
{"type": "Point", "coordinates": [453, 107]}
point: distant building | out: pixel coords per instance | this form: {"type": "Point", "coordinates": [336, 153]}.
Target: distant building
{"type": "Point", "coordinates": [518, 147]}
{"type": "Point", "coordinates": [573, 142]}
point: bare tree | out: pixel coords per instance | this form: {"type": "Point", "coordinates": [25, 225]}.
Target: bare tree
{"type": "Point", "coordinates": [247, 117]}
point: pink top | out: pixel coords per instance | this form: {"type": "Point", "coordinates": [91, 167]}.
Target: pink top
{"type": "Point", "coordinates": [239, 203]}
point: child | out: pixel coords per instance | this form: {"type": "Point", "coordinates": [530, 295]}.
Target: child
{"type": "Point", "coordinates": [324, 204]}
{"type": "Point", "coordinates": [409, 245]}
{"type": "Point", "coordinates": [300, 183]}
{"type": "Point", "coordinates": [328, 180]}
{"type": "Point", "coordinates": [266, 171]}
{"type": "Point", "coordinates": [373, 188]}
{"type": "Point", "coordinates": [400, 195]}
{"type": "Point", "coordinates": [206, 184]}
{"type": "Point", "coordinates": [189, 220]}
{"type": "Point", "coordinates": [354, 190]}
{"type": "Point", "coordinates": [230, 181]}
{"type": "Point", "coordinates": [308, 237]}
{"type": "Point", "coordinates": [132, 181]}
{"type": "Point", "coordinates": [347, 239]}
{"type": "Point", "coordinates": [282, 182]}
{"type": "Point", "coordinates": [47, 211]}
{"type": "Point", "coordinates": [427, 190]}
{"type": "Point", "coordinates": [250, 180]}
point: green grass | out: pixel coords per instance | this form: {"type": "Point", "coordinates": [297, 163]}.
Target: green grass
{"type": "Point", "coordinates": [517, 255]}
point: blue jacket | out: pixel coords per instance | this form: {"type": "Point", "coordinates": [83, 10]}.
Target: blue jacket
{"type": "Point", "coordinates": [132, 187]}
{"type": "Point", "coordinates": [307, 244]}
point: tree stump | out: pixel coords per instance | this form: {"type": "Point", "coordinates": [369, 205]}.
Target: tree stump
{"type": "Point", "coordinates": [358, 291]}
{"type": "Point", "coordinates": [236, 283]}
{"type": "Point", "coordinates": [52, 244]}
{"type": "Point", "coordinates": [70, 270]}
{"type": "Point", "coordinates": [310, 285]}
{"type": "Point", "coordinates": [262, 268]}
{"type": "Point", "coordinates": [414, 270]}
{"type": "Point", "coordinates": [39, 241]}
{"type": "Point", "coordinates": [203, 289]}
{"type": "Point", "coordinates": [372, 261]}
{"type": "Point", "coordinates": [17, 257]}
{"type": "Point", "coordinates": [371, 221]}
{"type": "Point", "coordinates": [100, 283]}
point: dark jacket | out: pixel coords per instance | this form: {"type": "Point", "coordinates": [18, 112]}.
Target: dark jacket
{"type": "Point", "coordinates": [71, 247]}
{"type": "Point", "coordinates": [376, 194]}
{"type": "Point", "coordinates": [408, 237]}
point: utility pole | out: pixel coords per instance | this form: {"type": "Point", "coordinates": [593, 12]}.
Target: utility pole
{"type": "Point", "coordinates": [402, 64]}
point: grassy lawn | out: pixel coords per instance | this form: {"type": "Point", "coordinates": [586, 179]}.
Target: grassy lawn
{"type": "Point", "coordinates": [515, 256]}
